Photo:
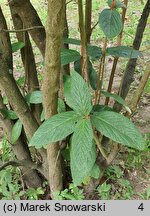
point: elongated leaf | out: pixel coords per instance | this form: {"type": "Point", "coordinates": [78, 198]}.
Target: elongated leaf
{"type": "Point", "coordinates": [93, 76]}
{"type": "Point", "coordinates": [17, 46]}
{"type": "Point", "coordinates": [72, 41]}
{"type": "Point", "coordinates": [34, 97]}
{"type": "Point", "coordinates": [77, 94]}
{"type": "Point", "coordinates": [118, 128]}
{"type": "Point", "coordinates": [9, 114]}
{"type": "Point", "coordinates": [100, 108]}
{"type": "Point", "coordinates": [147, 87]}
{"type": "Point", "coordinates": [69, 55]}
{"type": "Point", "coordinates": [95, 172]}
{"type": "Point", "coordinates": [94, 52]}
{"type": "Point", "coordinates": [55, 129]}
{"type": "Point", "coordinates": [110, 22]}
{"type": "Point", "coordinates": [118, 99]}
{"type": "Point", "coordinates": [42, 117]}
{"type": "Point", "coordinates": [16, 131]}
{"type": "Point", "coordinates": [61, 106]}
{"type": "Point", "coordinates": [119, 4]}
{"type": "Point", "coordinates": [83, 153]}
{"type": "Point", "coordinates": [123, 51]}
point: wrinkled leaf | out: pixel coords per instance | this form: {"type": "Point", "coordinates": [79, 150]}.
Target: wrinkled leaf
{"type": "Point", "coordinates": [123, 51]}
{"type": "Point", "coordinates": [17, 46]}
{"type": "Point", "coordinates": [9, 114]}
{"type": "Point", "coordinates": [83, 153]}
{"type": "Point", "coordinates": [94, 52]}
{"type": "Point", "coordinates": [147, 87]}
{"type": "Point", "coordinates": [72, 41]}
{"type": "Point", "coordinates": [118, 128]}
{"type": "Point", "coordinates": [42, 117]}
{"type": "Point", "coordinates": [95, 172]}
{"type": "Point", "coordinates": [77, 94]}
{"type": "Point", "coordinates": [34, 97]}
{"type": "Point", "coordinates": [93, 76]}
{"type": "Point", "coordinates": [69, 55]}
{"type": "Point", "coordinates": [110, 22]}
{"type": "Point", "coordinates": [117, 98]}
{"type": "Point", "coordinates": [61, 106]}
{"type": "Point", "coordinates": [55, 129]}
{"type": "Point", "coordinates": [100, 108]}
{"type": "Point", "coordinates": [16, 131]}
{"type": "Point", "coordinates": [119, 4]}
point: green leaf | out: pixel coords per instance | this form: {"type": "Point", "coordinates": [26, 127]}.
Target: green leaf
{"type": "Point", "coordinates": [100, 108]}
{"type": "Point", "coordinates": [93, 76]}
{"type": "Point", "coordinates": [17, 46]}
{"type": "Point", "coordinates": [95, 172]}
{"type": "Point", "coordinates": [147, 87]}
{"type": "Point", "coordinates": [55, 129]}
{"type": "Point", "coordinates": [119, 4]}
{"type": "Point", "coordinates": [110, 22]}
{"type": "Point", "coordinates": [9, 114]}
{"type": "Point", "coordinates": [16, 131]}
{"type": "Point", "coordinates": [77, 94]}
{"type": "Point", "coordinates": [118, 99]}
{"type": "Point", "coordinates": [123, 51]}
{"type": "Point", "coordinates": [42, 117]}
{"type": "Point", "coordinates": [94, 52]}
{"type": "Point", "coordinates": [61, 106]}
{"type": "Point", "coordinates": [69, 55]}
{"type": "Point", "coordinates": [34, 97]}
{"type": "Point", "coordinates": [82, 153]}
{"type": "Point", "coordinates": [118, 128]}
{"type": "Point", "coordinates": [72, 41]}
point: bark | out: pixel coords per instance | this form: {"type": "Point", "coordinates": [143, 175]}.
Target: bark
{"type": "Point", "coordinates": [30, 18]}
{"type": "Point", "coordinates": [9, 86]}
{"type": "Point", "coordinates": [84, 54]}
{"type": "Point", "coordinates": [136, 97]}
{"type": "Point", "coordinates": [21, 152]}
{"type": "Point", "coordinates": [128, 77]}
{"type": "Point", "coordinates": [66, 68]}
{"type": "Point", "coordinates": [88, 19]}
{"type": "Point", "coordinates": [5, 48]}
{"type": "Point", "coordinates": [27, 55]}
{"type": "Point", "coordinates": [55, 29]}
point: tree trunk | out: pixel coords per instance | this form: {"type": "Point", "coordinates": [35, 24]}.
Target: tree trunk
{"type": "Point", "coordinates": [88, 20]}
{"type": "Point", "coordinates": [9, 86]}
{"type": "Point", "coordinates": [30, 18]}
{"type": "Point", "coordinates": [55, 30]}
{"type": "Point", "coordinates": [27, 55]}
{"type": "Point", "coordinates": [128, 77]}
{"type": "Point", "coordinates": [21, 152]}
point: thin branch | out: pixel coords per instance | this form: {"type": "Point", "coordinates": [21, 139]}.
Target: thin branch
{"type": "Point", "coordinates": [18, 163]}
{"type": "Point", "coordinates": [21, 30]}
{"type": "Point", "coordinates": [94, 26]}
{"type": "Point", "coordinates": [84, 55]}
{"type": "Point", "coordinates": [136, 97]}
{"type": "Point", "coordinates": [69, 2]}
{"type": "Point", "coordinates": [101, 73]}
{"type": "Point", "coordinates": [100, 147]}
{"type": "Point", "coordinates": [114, 152]}
{"type": "Point", "coordinates": [119, 40]}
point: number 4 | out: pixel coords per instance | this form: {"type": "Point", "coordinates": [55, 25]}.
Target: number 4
{"type": "Point", "coordinates": [141, 207]}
